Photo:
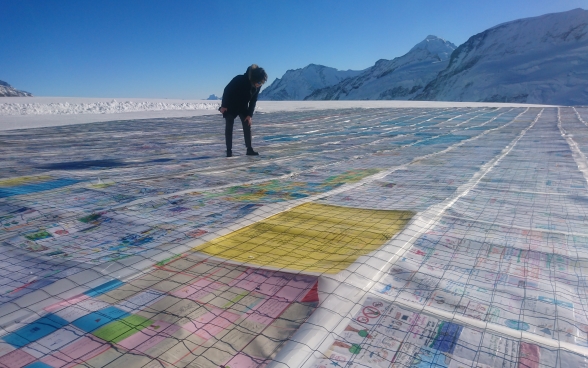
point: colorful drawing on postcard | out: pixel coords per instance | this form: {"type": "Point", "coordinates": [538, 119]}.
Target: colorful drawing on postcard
{"type": "Point", "coordinates": [186, 311]}
{"type": "Point", "coordinates": [276, 191]}
{"type": "Point", "coordinates": [310, 237]}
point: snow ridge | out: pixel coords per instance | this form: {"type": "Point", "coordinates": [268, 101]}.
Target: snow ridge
{"type": "Point", "coordinates": [111, 107]}
{"type": "Point", "coordinates": [299, 83]}
{"type": "Point", "coordinates": [538, 60]}
{"type": "Point", "coordinates": [533, 60]}
{"type": "Point", "coordinates": [401, 78]}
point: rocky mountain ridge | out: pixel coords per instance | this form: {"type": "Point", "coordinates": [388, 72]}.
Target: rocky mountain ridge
{"type": "Point", "coordinates": [401, 78]}
{"type": "Point", "coordinates": [6, 90]}
{"type": "Point", "coordinates": [532, 60]}
{"type": "Point", "coordinates": [299, 83]}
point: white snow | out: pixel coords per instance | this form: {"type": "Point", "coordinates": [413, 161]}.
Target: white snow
{"type": "Point", "coordinates": [297, 84]}
{"type": "Point", "coordinates": [401, 78]}
{"type": "Point", "coordinates": [435, 45]}
{"type": "Point", "coordinates": [531, 60]}
{"type": "Point", "coordinates": [59, 111]}
{"type": "Point", "coordinates": [28, 106]}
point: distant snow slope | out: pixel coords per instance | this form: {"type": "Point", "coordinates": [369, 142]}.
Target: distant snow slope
{"type": "Point", "coordinates": [99, 107]}
{"type": "Point", "coordinates": [299, 83]}
{"type": "Point", "coordinates": [399, 79]}
{"type": "Point", "coordinates": [6, 90]}
{"type": "Point", "coordinates": [534, 60]}
{"type": "Point", "coordinates": [10, 122]}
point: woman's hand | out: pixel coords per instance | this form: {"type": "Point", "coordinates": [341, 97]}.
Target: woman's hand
{"type": "Point", "coordinates": [223, 110]}
{"type": "Point", "coordinates": [248, 120]}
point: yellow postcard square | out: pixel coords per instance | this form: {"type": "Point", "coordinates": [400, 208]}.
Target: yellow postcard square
{"type": "Point", "coordinates": [311, 237]}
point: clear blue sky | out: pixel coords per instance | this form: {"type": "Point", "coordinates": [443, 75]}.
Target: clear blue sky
{"type": "Point", "coordinates": [191, 49]}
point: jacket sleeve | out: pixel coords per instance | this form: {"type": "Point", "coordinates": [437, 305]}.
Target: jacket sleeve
{"type": "Point", "coordinates": [253, 102]}
{"type": "Point", "coordinates": [229, 92]}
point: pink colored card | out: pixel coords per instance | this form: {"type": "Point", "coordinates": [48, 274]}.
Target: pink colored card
{"type": "Point", "coordinates": [164, 328]}
{"type": "Point", "coordinates": [66, 303]}
{"type": "Point", "coordinates": [137, 340]}
{"type": "Point", "coordinates": [290, 293]}
{"type": "Point", "coordinates": [202, 283]}
{"type": "Point", "coordinates": [146, 345]}
{"type": "Point", "coordinates": [16, 359]}
{"type": "Point", "coordinates": [81, 350]}
{"type": "Point", "coordinates": [157, 363]}
{"type": "Point", "coordinates": [185, 291]}
{"type": "Point", "coordinates": [262, 281]}
{"type": "Point", "coordinates": [302, 281]}
{"type": "Point", "coordinates": [5, 348]}
{"type": "Point", "coordinates": [199, 322]}
{"type": "Point", "coordinates": [198, 290]}
{"type": "Point", "coordinates": [55, 362]}
{"type": "Point", "coordinates": [272, 285]}
{"type": "Point", "coordinates": [211, 323]}
{"type": "Point", "coordinates": [153, 341]}
{"type": "Point", "coordinates": [197, 296]}
{"type": "Point", "coordinates": [529, 355]}
{"type": "Point", "coordinates": [217, 325]}
{"type": "Point", "coordinates": [244, 361]}
{"type": "Point", "coordinates": [249, 280]}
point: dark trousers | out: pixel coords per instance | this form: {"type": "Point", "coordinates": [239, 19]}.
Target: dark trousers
{"type": "Point", "coordinates": [230, 121]}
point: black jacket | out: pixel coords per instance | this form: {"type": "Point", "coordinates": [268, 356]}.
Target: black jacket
{"type": "Point", "coordinates": [240, 96]}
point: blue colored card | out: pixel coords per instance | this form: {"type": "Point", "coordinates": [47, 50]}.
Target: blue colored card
{"type": "Point", "coordinates": [99, 318]}
{"type": "Point", "coordinates": [35, 330]}
{"type": "Point", "coordinates": [104, 288]}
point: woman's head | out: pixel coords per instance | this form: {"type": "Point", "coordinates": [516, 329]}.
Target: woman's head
{"type": "Point", "coordinates": [257, 76]}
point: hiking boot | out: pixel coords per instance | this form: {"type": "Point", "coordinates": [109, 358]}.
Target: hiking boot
{"type": "Point", "coordinates": [251, 152]}
{"type": "Point", "coordinates": [229, 153]}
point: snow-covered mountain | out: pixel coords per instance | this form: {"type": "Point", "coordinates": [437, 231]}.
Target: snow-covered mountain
{"type": "Point", "coordinates": [535, 60]}
{"type": "Point", "coordinates": [299, 83]}
{"type": "Point", "coordinates": [401, 78]}
{"type": "Point", "coordinates": [6, 90]}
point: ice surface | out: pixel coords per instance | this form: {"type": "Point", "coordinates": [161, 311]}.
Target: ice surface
{"type": "Point", "coordinates": [102, 226]}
